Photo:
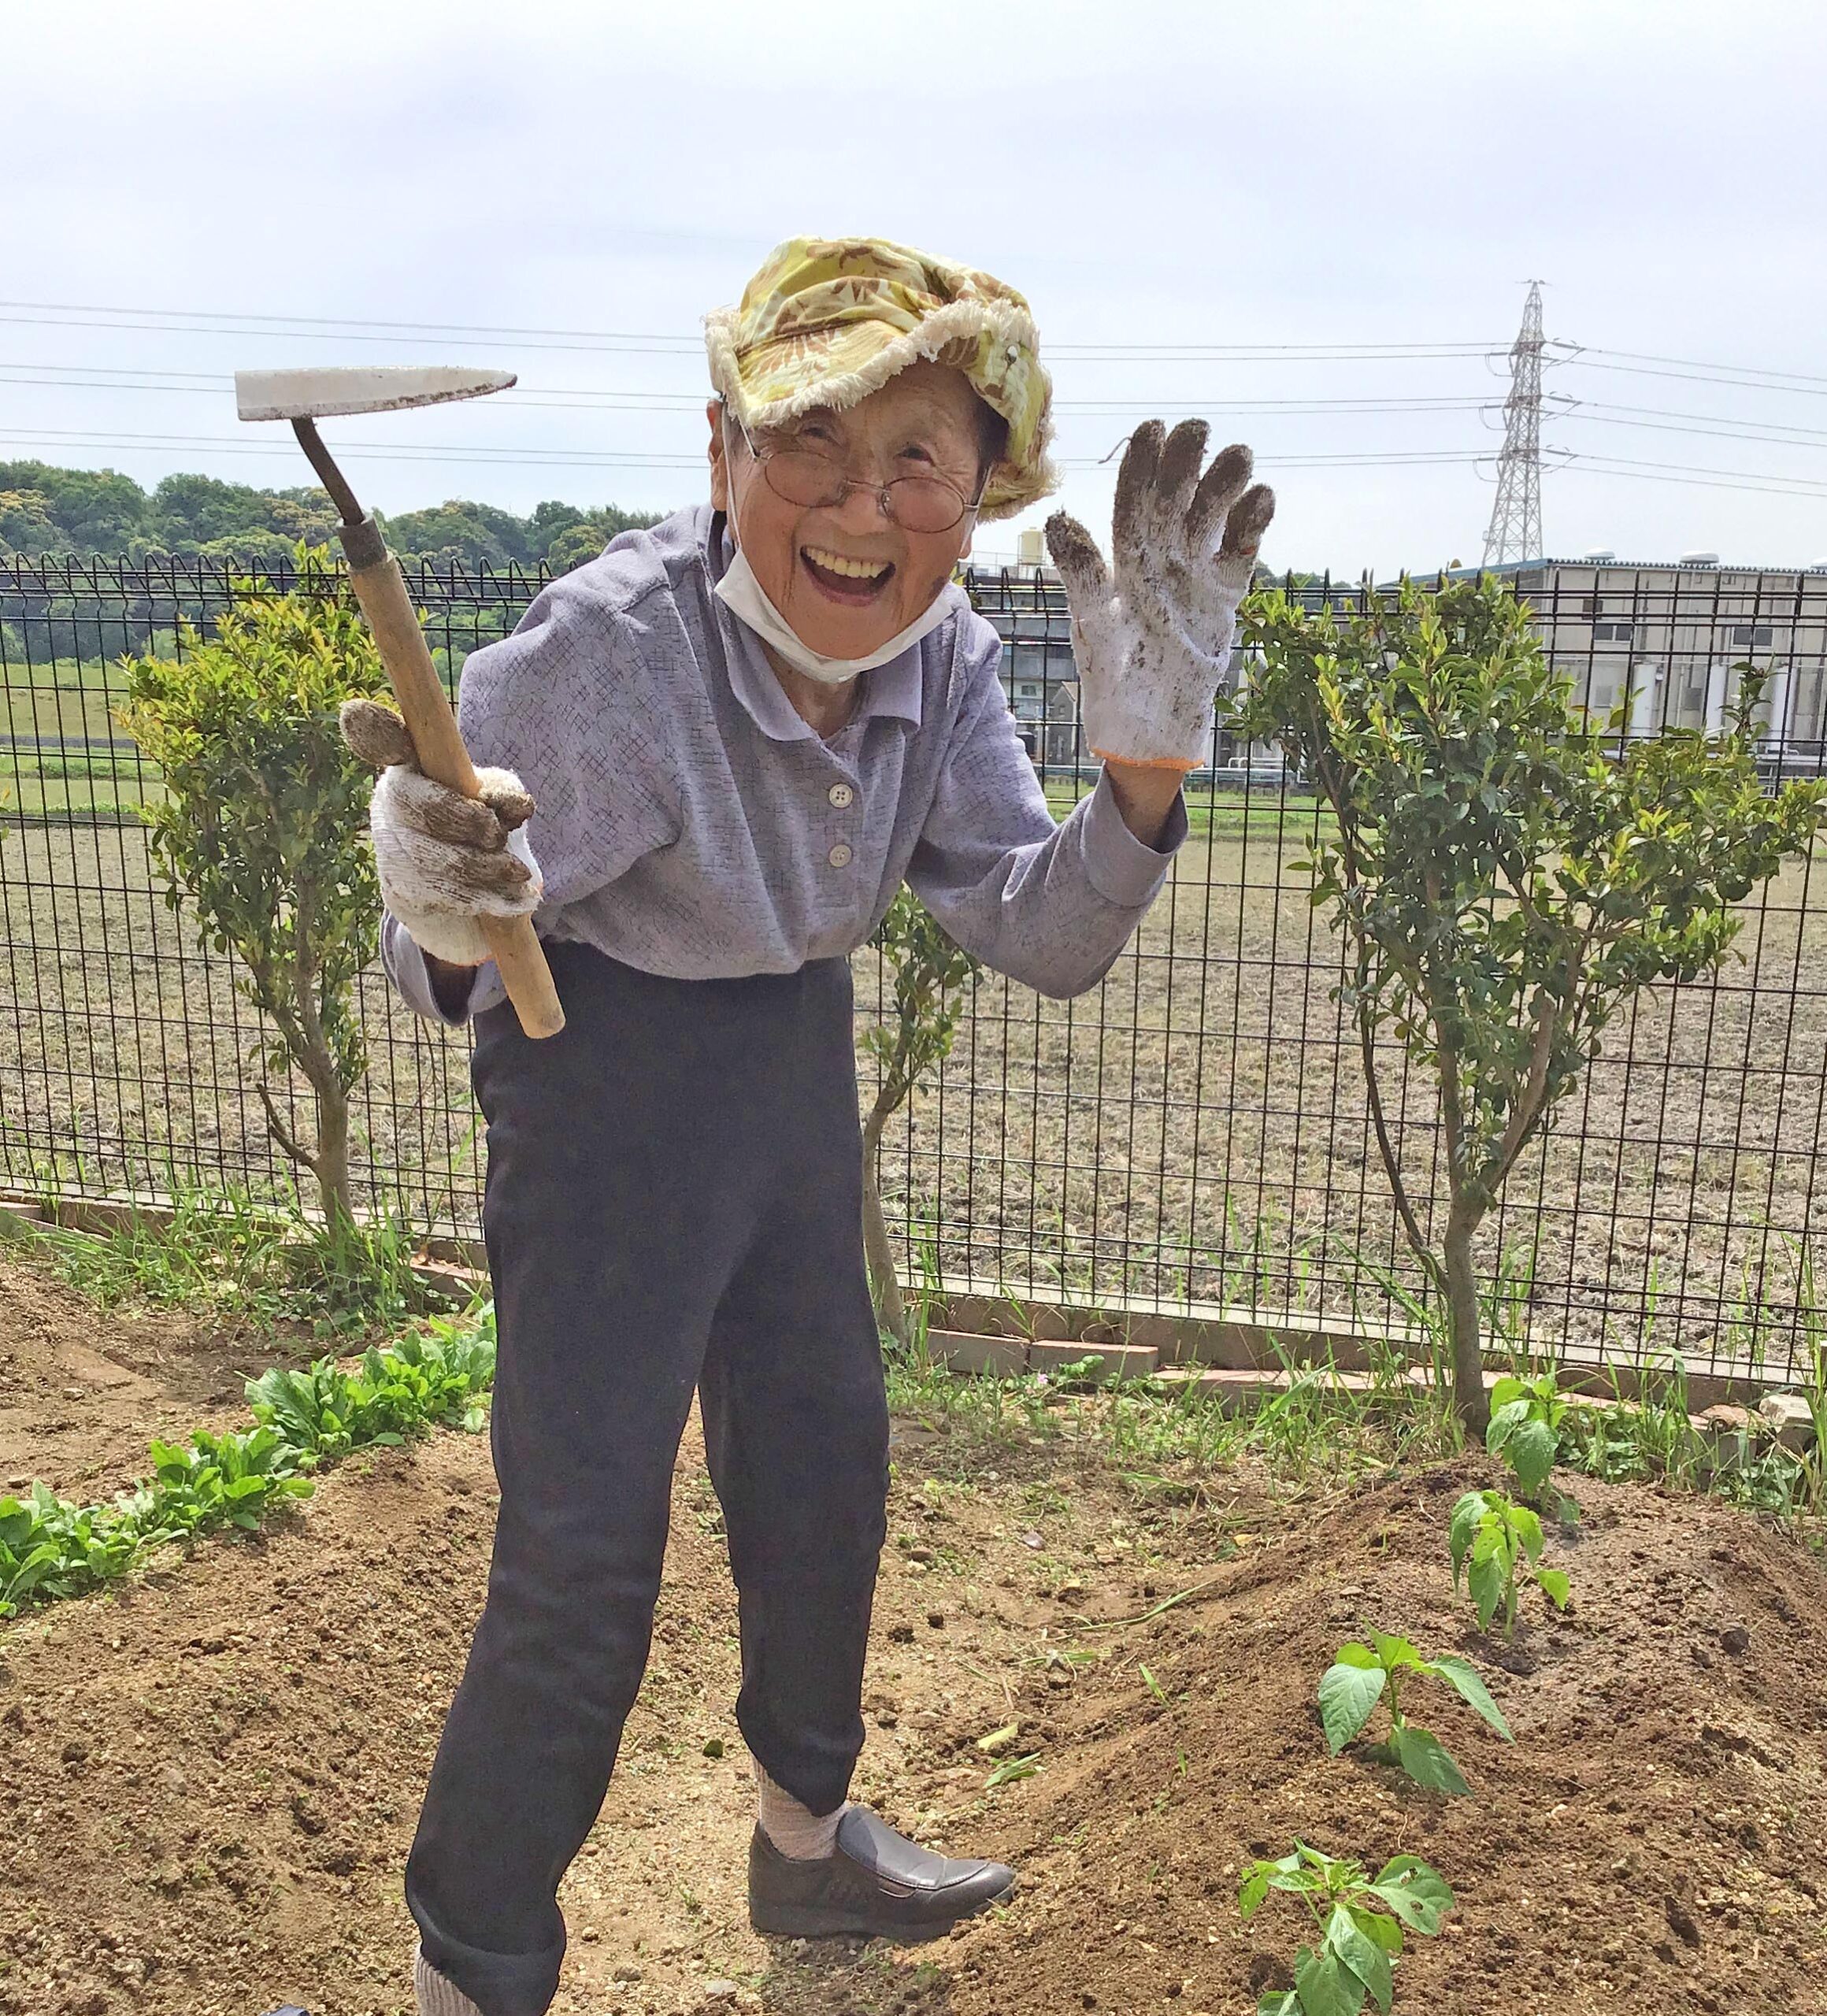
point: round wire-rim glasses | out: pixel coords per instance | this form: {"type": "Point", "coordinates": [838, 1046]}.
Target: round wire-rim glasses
{"type": "Point", "coordinates": [816, 482]}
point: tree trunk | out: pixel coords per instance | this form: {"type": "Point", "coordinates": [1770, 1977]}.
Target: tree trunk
{"type": "Point", "coordinates": [1468, 1395]}
{"type": "Point", "coordinates": [332, 1159]}
{"type": "Point", "coordinates": [878, 1249]}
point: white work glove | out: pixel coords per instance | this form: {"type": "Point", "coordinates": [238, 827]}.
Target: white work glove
{"type": "Point", "coordinates": [1151, 647]}
{"type": "Point", "coordinates": [446, 861]}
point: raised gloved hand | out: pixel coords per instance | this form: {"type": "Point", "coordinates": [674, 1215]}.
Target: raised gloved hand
{"type": "Point", "coordinates": [446, 861]}
{"type": "Point", "coordinates": [1151, 645]}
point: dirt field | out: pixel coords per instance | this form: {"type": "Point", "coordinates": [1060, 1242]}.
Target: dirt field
{"type": "Point", "coordinates": [1195, 1128]}
{"type": "Point", "coordinates": [209, 1780]}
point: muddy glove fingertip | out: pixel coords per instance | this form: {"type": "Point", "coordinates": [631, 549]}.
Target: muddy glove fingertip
{"type": "Point", "coordinates": [375, 733]}
{"type": "Point", "coordinates": [506, 796]}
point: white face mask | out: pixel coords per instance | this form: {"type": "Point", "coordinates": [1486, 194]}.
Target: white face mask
{"type": "Point", "coordinates": [741, 593]}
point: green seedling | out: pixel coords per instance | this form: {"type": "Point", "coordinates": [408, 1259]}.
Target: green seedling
{"type": "Point", "coordinates": [1492, 1539]}
{"type": "Point", "coordinates": [1359, 1922]}
{"type": "Point", "coordinates": [1525, 1431]}
{"type": "Point", "coordinates": [1359, 1677]}
{"type": "Point", "coordinates": [1013, 1770]}
{"type": "Point", "coordinates": [399, 1393]}
{"type": "Point", "coordinates": [51, 1548]}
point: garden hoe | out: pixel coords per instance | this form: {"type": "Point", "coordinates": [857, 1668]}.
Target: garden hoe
{"type": "Point", "coordinates": [304, 398]}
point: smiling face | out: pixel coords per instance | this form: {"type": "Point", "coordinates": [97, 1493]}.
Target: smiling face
{"type": "Point", "coordinates": [844, 576]}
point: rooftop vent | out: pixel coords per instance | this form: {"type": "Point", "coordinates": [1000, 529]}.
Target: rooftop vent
{"type": "Point", "coordinates": [1600, 553]}
{"type": "Point", "coordinates": [1700, 560]}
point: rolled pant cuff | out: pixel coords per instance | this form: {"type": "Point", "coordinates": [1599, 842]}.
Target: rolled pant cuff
{"type": "Point", "coordinates": [499, 1983]}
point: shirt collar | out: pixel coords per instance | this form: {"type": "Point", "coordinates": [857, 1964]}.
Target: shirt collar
{"type": "Point", "coordinates": [892, 690]}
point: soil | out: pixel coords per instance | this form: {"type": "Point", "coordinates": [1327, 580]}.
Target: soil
{"type": "Point", "coordinates": [209, 1778]}
{"type": "Point", "coordinates": [81, 1393]}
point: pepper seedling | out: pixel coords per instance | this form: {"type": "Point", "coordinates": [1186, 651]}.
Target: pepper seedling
{"type": "Point", "coordinates": [1361, 1675]}
{"type": "Point", "coordinates": [1491, 1538]}
{"type": "Point", "coordinates": [1525, 1431]}
{"type": "Point", "coordinates": [1359, 1921]}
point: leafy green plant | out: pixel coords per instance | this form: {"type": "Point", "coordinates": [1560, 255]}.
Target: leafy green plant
{"type": "Point", "coordinates": [932, 975]}
{"type": "Point", "coordinates": [1526, 1416]}
{"type": "Point", "coordinates": [1362, 1675]}
{"type": "Point", "coordinates": [1506, 877]}
{"type": "Point", "coordinates": [400, 1392]}
{"type": "Point", "coordinates": [51, 1548]}
{"type": "Point", "coordinates": [1495, 1542]}
{"type": "Point", "coordinates": [233, 1478]}
{"type": "Point", "coordinates": [1359, 1921]}
{"type": "Point", "coordinates": [259, 829]}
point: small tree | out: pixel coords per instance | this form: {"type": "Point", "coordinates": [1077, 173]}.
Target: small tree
{"type": "Point", "coordinates": [1505, 879]}
{"type": "Point", "coordinates": [932, 975]}
{"type": "Point", "coordinates": [260, 828]}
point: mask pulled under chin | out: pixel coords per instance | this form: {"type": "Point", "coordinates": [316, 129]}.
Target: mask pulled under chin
{"type": "Point", "coordinates": [741, 593]}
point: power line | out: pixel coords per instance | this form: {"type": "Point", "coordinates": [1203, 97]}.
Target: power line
{"type": "Point", "coordinates": [1600, 465]}
{"type": "Point", "coordinates": [389, 326]}
{"type": "Point", "coordinates": [1643, 357]}
{"type": "Point", "coordinates": [618, 348]}
{"type": "Point", "coordinates": [1687, 377]}
{"type": "Point", "coordinates": [542, 457]}
{"type": "Point", "coordinates": [1798, 486]}
{"type": "Point", "coordinates": [593, 399]}
{"type": "Point", "coordinates": [590, 399]}
{"type": "Point", "coordinates": [1705, 433]}
{"type": "Point", "coordinates": [1724, 423]}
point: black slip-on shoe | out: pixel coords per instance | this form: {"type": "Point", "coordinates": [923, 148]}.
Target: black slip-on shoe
{"type": "Point", "coordinates": [877, 1884]}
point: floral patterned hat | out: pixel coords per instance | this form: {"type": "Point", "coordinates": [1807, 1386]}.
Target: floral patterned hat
{"type": "Point", "coordinates": [826, 321]}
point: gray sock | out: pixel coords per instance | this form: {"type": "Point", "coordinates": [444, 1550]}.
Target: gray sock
{"type": "Point", "coordinates": [436, 1995]}
{"type": "Point", "coordinates": [796, 1831]}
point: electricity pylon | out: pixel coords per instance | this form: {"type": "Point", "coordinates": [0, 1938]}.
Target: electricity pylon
{"type": "Point", "coordinates": [1515, 530]}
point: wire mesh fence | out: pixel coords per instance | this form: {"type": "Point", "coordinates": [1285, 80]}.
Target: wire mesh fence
{"type": "Point", "coordinates": [1194, 1131]}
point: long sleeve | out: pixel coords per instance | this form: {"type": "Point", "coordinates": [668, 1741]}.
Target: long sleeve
{"type": "Point", "coordinates": [562, 701]}
{"type": "Point", "coordinates": [403, 961]}
{"type": "Point", "coordinates": [1051, 906]}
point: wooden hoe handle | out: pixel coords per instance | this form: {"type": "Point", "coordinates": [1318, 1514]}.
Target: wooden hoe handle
{"type": "Point", "coordinates": [381, 590]}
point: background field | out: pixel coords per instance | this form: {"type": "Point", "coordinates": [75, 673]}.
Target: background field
{"type": "Point", "coordinates": [1194, 1128]}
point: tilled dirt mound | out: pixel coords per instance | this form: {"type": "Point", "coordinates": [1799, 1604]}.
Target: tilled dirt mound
{"type": "Point", "coordinates": [209, 1778]}
{"type": "Point", "coordinates": [1655, 1841]}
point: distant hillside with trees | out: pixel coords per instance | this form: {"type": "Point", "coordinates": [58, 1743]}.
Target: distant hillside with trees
{"type": "Point", "coordinates": [84, 513]}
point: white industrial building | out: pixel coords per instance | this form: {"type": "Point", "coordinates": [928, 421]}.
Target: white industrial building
{"type": "Point", "coordinates": [1651, 644]}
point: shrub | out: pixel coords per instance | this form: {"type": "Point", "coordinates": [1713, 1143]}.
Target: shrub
{"type": "Point", "coordinates": [1506, 878]}
{"type": "Point", "coordinates": [260, 828]}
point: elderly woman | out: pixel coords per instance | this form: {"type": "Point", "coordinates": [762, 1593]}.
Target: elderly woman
{"type": "Point", "coordinates": [742, 731]}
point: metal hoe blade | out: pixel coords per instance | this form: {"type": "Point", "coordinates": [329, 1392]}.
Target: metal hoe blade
{"type": "Point", "coordinates": [316, 395]}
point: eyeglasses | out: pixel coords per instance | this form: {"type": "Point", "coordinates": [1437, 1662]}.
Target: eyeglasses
{"type": "Point", "coordinates": [816, 482]}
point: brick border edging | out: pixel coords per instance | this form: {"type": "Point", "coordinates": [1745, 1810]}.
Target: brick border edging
{"type": "Point", "coordinates": [986, 1330]}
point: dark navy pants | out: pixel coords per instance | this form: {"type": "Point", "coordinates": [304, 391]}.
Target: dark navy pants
{"type": "Point", "coordinates": [672, 1202]}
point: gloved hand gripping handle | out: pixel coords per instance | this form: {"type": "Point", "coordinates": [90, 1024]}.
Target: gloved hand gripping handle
{"type": "Point", "coordinates": [381, 589]}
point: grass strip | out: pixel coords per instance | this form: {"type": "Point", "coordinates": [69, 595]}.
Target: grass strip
{"type": "Point", "coordinates": [51, 1548]}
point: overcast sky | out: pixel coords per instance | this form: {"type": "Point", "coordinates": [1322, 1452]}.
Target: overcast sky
{"type": "Point", "coordinates": [1203, 175]}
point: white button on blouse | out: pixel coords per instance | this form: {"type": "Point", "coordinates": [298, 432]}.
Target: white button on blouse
{"type": "Point", "coordinates": [841, 856]}
{"type": "Point", "coordinates": [842, 796]}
